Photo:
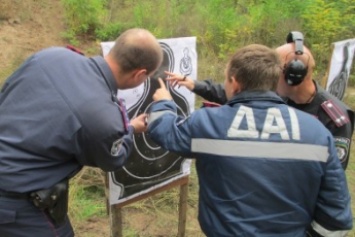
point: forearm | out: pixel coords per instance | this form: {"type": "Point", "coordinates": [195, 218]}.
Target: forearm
{"type": "Point", "coordinates": [167, 129]}
{"type": "Point", "coordinates": [210, 91]}
{"type": "Point", "coordinates": [342, 138]}
{"type": "Point", "coordinates": [108, 154]}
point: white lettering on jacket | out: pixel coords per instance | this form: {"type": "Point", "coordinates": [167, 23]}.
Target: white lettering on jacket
{"type": "Point", "coordinates": [273, 124]}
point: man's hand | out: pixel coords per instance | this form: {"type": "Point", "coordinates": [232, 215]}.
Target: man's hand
{"type": "Point", "coordinates": [162, 93]}
{"type": "Point", "coordinates": [176, 79]}
{"type": "Point", "coordinates": [139, 123]}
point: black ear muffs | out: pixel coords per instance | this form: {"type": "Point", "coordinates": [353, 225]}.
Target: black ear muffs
{"type": "Point", "coordinates": [295, 70]}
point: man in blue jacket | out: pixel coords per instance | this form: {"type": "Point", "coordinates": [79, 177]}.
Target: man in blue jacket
{"type": "Point", "coordinates": [264, 168]}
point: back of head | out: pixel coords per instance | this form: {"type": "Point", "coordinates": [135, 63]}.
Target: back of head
{"type": "Point", "coordinates": [255, 67]}
{"type": "Point", "coordinates": [137, 49]}
{"type": "Point", "coordinates": [298, 62]}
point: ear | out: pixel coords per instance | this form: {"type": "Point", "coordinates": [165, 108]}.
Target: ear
{"type": "Point", "coordinates": [235, 86]}
{"type": "Point", "coordinates": [139, 74]}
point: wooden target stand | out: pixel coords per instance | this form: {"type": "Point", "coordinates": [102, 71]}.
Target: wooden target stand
{"type": "Point", "coordinates": [116, 213]}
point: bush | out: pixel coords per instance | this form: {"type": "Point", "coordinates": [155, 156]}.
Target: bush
{"type": "Point", "coordinates": [84, 16]}
{"type": "Point", "coordinates": [110, 31]}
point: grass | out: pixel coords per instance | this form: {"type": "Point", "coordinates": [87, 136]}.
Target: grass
{"type": "Point", "coordinates": [86, 196]}
{"type": "Point", "coordinates": [153, 216]}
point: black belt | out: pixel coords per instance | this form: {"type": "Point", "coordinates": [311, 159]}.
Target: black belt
{"type": "Point", "coordinates": [14, 195]}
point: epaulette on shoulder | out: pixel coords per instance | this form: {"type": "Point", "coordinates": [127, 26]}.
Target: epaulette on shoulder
{"type": "Point", "coordinates": [210, 104]}
{"type": "Point", "coordinates": [72, 48]}
{"type": "Point", "coordinates": [335, 113]}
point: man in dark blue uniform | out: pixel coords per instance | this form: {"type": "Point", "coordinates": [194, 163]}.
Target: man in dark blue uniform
{"type": "Point", "coordinates": [264, 168]}
{"type": "Point", "coordinates": [59, 112]}
{"type": "Point", "coordinates": [309, 97]}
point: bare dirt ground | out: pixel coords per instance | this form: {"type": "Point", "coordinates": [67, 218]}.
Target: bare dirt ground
{"type": "Point", "coordinates": [27, 26]}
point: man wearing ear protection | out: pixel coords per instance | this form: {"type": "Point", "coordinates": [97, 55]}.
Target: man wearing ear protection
{"type": "Point", "coordinates": [298, 89]}
{"type": "Point", "coordinates": [302, 92]}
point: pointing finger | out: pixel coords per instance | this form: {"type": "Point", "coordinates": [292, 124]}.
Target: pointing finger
{"type": "Point", "coordinates": [161, 82]}
{"type": "Point", "coordinates": [169, 73]}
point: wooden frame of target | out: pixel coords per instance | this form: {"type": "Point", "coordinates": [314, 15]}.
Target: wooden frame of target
{"type": "Point", "coordinates": [151, 169]}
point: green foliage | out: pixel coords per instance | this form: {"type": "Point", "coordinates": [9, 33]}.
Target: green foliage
{"type": "Point", "coordinates": [273, 19]}
{"type": "Point", "coordinates": [220, 26]}
{"type": "Point", "coordinates": [326, 22]}
{"type": "Point", "coordinates": [347, 20]}
{"type": "Point", "coordinates": [110, 31]}
{"type": "Point", "coordinates": [84, 16]}
{"type": "Point", "coordinates": [219, 33]}
{"type": "Point", "coordinates": [321, 19]}
{"type": "Point", "coordinates": [163, 19]}
{"type": "Point", "coordinates": [71, 37]}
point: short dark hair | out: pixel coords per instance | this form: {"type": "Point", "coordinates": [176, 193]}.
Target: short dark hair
{"type": "Point", "coordinates": [137, 49]}
{"type": "Point", "coordinates": [255, 67]}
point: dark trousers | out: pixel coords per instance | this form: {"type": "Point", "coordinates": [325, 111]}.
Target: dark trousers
{"type": "Point", "coordinates": [20, 218]}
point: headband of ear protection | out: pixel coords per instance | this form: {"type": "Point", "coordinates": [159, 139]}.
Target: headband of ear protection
{"type": "Point", "coordinates": [295, 71]}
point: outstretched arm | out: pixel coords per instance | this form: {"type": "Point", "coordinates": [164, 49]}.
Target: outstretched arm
{"type": "Point", "coordinates": [206, 88]}
{"type": "Point", "coordinates": [165, 127]}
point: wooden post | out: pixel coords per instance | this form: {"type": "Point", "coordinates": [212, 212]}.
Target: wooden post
{"type": "Point", "coordinates": [116, 221]}
{"type": "Point", "coordinates": [107, 192]}
{"type": "Point", "coordinates": [183, 209]}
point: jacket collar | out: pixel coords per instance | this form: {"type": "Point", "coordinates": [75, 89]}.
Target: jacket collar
{"type": "Point", "coordinates": [105, 72]}
{"type": "Point", "coordinates": [246, 96]}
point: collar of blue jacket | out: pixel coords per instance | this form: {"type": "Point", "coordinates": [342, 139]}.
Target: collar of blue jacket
{"type": "Point", "coordinates": [246, 96]}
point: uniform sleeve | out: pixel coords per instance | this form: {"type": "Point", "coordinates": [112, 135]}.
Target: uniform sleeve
{"type": "Point", "coordinates": [177, 138]}
{"type": "Point", "coordinates": [332, 216]}
{"type": "Point", "coordinates": [105, 141]}
{"type": "Point", "coordinates": [342, 137]}
{"type": "Point", "coordinates": [210, 91]}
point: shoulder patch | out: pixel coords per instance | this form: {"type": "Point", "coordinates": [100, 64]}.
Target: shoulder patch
{"type": "Point", "coordinates": [116, 145]}
{"type": "Point", "coordinates": [342, 145]}
{"type": "Point", "coordinates": [335, 113]}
